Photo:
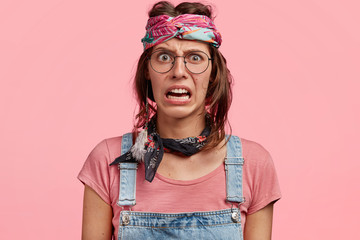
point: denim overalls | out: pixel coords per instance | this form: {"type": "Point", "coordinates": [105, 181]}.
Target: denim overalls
{"type": "Point", "coordinates": [221, 224]}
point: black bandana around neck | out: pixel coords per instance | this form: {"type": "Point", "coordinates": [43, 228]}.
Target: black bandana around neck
{"type": "Point", "coordinates": [154, 146]}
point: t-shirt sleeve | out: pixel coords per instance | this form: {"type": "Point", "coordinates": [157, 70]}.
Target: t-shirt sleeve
{"type": "Point", "coordinates": [95, 171]}
{"type": "Point", "coordinates": [264, 184]}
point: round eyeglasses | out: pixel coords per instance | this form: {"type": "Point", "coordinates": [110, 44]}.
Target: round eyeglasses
{"type": "Point", "coordinates": [163, 61]}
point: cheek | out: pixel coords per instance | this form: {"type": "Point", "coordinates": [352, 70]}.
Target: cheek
{"type": "Point", "coordinates": [203, 84]}
{"type": "Point", "coordinates": [154, 87]}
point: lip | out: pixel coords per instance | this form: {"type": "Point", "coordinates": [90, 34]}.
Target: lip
{"type": "Point", "coordinates": [177, 101]}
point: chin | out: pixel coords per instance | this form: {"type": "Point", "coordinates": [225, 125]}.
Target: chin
{"type": "Point", "coordinates": [181, 112]}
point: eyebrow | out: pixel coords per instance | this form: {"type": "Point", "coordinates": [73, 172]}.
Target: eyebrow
{"type": "Point", "coordinates": [186, 51]}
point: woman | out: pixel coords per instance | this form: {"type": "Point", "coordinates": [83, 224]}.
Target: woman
{"type": "Point", "coordinates": [177, 175]}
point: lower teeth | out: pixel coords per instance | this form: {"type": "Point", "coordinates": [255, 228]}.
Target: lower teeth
{"type": "Point", "coordinates": [173, 97]}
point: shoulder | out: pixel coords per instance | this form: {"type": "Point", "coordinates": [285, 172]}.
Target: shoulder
{"type": "Point", "coordinates": [254, 151]}
{"type": "Point", "coordinates": [258, 162]}
{"type": "Point", "coordinates": [251, 150]}
{"type": "Point", "coordinates": [96, 172]}
{"type": "Point", "coordinates": [105, 151]}
{"type": "Point", "coordinates": [113, 146]}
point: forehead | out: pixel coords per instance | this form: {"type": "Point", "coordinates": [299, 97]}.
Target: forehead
{"type": "Point", "coordinates": [180, 46]}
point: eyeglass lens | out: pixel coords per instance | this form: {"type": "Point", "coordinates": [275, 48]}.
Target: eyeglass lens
{"type": "Point", "coordinates": [163, 61]}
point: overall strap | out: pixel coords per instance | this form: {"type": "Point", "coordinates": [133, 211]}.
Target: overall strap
{"type": "Point", "coordinates": [127, 188]}
{"type": "Point", "coordinates": [234, 170]}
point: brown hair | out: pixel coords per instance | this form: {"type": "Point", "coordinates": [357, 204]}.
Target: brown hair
{"type": "Point", "coordinates": [219, 95]}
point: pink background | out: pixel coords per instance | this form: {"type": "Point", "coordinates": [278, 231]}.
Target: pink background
{"type": "Point", "coordinates": [66, 69]}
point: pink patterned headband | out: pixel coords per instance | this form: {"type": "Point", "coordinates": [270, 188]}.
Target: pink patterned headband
{"type": "Point", "coordinates": [186, 26]}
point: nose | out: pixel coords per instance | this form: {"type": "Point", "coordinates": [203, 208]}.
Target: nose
{"type": "Point", "coordinates": [179, 69]}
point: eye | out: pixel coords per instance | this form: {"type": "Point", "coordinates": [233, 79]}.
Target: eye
{"type": "Point", "coordinates": [195, 57]}
{"type": "Point", "coordinates": [163, 57]}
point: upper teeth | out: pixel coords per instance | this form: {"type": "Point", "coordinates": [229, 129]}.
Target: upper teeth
{"type": "Point", "coordinates": [179, 90]}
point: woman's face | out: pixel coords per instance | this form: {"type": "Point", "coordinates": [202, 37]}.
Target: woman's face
{"type": "Point", "coordinates": [179, 93]}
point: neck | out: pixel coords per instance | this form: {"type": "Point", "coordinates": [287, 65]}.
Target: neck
{"type": "Point", "coordinates": [180, 128]}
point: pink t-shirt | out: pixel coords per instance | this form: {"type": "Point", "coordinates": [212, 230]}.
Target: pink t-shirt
{"type": "Point", "coordinates": [164, 195]}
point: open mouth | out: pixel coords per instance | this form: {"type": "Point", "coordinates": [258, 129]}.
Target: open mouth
{"type": "Point", "coordinates": [178, 93]}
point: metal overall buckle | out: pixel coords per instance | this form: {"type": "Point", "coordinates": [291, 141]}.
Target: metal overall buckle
{"type": "Point", "coordinates": [235, 215]}
{"type": "Point", "coordinates": [125, 218]}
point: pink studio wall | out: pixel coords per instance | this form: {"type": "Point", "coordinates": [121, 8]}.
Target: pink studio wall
{"type": "Point", "coordinates": [66, 69]}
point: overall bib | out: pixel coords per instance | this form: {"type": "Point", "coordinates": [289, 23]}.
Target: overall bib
{"type": "Point", "coordinates": [221, 224]}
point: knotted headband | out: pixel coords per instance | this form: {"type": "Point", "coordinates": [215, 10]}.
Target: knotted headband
{"type": "Point", "coordinates": [186, 26]}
